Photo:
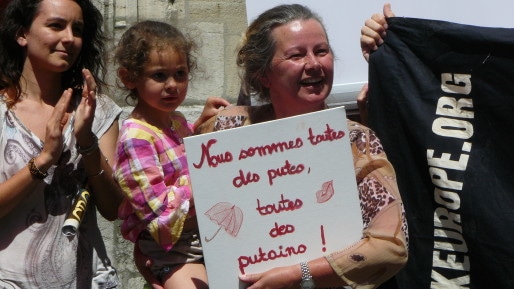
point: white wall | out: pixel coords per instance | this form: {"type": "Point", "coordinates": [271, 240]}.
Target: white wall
{"type": "Point", "coordinates": [344, 19]}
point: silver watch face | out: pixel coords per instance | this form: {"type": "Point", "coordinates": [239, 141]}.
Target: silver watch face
{"type": "Point", "coordinates": [307, 284]}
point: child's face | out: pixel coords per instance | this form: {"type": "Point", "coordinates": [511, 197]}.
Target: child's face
{"type": "Point", "coordinates": [163, 85]}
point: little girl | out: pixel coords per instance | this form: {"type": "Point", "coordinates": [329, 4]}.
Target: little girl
{"type": "Point", "coordinates": [158, 214]}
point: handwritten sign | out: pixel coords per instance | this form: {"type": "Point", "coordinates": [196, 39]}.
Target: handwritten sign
{"type": "Point", "coordinates": [273, 194]}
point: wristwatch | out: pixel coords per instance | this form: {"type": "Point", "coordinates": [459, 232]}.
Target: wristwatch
{"type": "Point", "coordinates": [307, 281]}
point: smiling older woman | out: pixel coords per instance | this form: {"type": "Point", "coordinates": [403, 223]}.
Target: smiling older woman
{"type": "Point", "coordinates": [287, 60]}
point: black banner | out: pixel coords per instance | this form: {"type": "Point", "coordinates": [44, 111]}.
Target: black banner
{"type": "Point", "coordinates": [441, 98]}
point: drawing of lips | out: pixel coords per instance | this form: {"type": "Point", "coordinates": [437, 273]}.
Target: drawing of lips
{"type": "Point", "coordinates": [326, 192]}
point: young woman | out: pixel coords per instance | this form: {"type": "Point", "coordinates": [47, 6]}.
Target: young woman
{"type": "Point", "coordinates": [57, 137]}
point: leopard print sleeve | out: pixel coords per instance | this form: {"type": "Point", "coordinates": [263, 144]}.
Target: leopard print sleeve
{"type": "Point", "coordinates": [382, 251]}
{"type": "Point", "coordinates": [374, 194]}
{"type": "Point", "coordinates": [226, 122]}
{"type": "Point", "coordinates": [230, 117]}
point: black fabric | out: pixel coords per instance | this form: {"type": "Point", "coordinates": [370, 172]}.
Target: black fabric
{"type": "Point", "coordinates": [469, 218]}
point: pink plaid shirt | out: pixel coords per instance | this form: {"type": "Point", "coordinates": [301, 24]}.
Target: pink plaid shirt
{"type": "Point", "coordinates": [151, 168]}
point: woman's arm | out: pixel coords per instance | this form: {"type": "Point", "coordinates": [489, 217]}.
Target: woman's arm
{"type": "Point", "coordinates": [97, 155]}
{"type": "Point", "coordinates": [14, 190]}
{"type": "Point", "coordinates": [98, 165]}
{"type": "Point", "coordinates": [382, 251]}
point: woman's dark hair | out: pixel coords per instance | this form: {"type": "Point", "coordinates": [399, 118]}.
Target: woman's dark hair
{"type": "Point", "coordinates": [135, 45]}
{"type": "Point", "coordinates": [258, 46]}
{"type": "Point", "coordinates": [19, 15]}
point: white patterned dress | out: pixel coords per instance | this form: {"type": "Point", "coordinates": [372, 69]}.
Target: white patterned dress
{"type": "Point", "coordinates": [33, 251]}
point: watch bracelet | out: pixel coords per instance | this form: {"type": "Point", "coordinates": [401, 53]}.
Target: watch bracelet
{"type": "Point", "coordinates": [35, 171]}
{"type": "Point", "coordinates": [306, 274]}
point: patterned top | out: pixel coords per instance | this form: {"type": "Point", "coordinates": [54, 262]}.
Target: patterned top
{"type": "Point", "coordinates": [151, 168]}
{"type": "Point", "coordinates": [34, 253]}
{"type": "Point", "coordinates": [382, 250]}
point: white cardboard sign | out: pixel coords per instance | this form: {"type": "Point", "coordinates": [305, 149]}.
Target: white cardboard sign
{"type": "Point", "coordinates": [273, 194]}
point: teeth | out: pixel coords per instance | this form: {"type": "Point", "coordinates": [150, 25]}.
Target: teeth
{"type": "Point", "coordinates": [312, 80]}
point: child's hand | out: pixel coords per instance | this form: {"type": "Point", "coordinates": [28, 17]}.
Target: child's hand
{"type": "Point", "coordinates": [143, 264]}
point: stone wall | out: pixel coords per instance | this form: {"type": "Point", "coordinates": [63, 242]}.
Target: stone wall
{"type": "Point", "coordinates": [217, 27]}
